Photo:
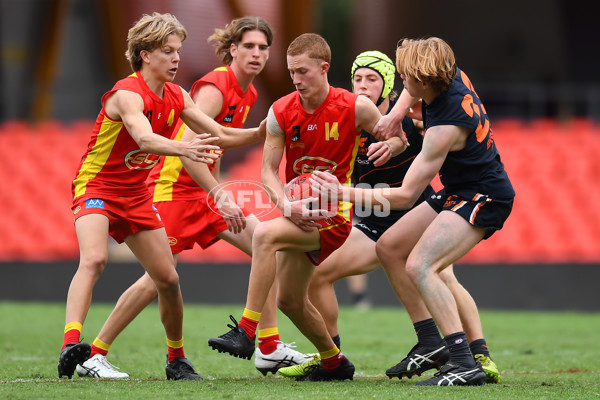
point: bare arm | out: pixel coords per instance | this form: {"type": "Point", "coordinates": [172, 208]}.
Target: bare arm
{"type": "Point", "coordinates": [437, 143]}
{"type": "Point", "coordinates": [199, 122]}
{"type": "Point", "coordinates": [391, 124]}
{"type": "Point", "coordinates": [129, 107]}
{"type": "Point", "coordinates": [380, 152]}
{"type": "Point", "coordinates": [297, 211]}
{"type": "Point", "coordinates": [210, 101]}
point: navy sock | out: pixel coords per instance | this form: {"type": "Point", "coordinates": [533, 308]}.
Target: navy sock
{"type": "Point", "coordinates": [459, 349]}
{"type": "Point", "coordinates": [428, 333]}
{"type": "Point", "coordinates": [479, 346]}
{"type": "Point", "coordinates": [337, 341]}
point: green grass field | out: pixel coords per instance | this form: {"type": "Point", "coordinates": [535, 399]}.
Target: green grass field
{"type": "Point", "coordinates": [542, 355]}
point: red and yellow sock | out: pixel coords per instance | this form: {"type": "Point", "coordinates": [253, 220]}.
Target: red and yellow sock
{"type": "Point", "coordinates": [99, 347]}
{"type": "Point", "coordinates": [268, 340]}
{"type": "Point", "coordinates": [175, 349]}
{"type": "Point", "coordinates": [72, 333]}
{"type": "Point", "coordinates": [249, 322]}
{"type": "Point", "coordinates": [331, 359]}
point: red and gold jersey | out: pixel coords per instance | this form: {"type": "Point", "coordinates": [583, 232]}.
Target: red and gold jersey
{"type": "Point", "coordinates": [169, 180]}
{"type": "Point", "coordinates": [113, 163]}
{"type": "Point", "coordinates": [325, 140]}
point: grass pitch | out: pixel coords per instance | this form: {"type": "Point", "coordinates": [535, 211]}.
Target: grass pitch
{"type": "Point", "coordinates": [541, 355]}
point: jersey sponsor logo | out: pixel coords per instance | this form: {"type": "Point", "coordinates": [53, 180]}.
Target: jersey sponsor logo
{"type": "Point", "coordinates": [229, 117]}
{"type": "Point", "coordinates": [312, 127]}
{"type": "Point", "coordinates": [94, 203]}
{"type": "Point", "coordinates": [137, 159]}
{"type": "Point", "coordinates": [172, 241]}
{"type": "Point", "coordinates": [308, 164]}
{"type": "Point", "coordinates": [295, 133]}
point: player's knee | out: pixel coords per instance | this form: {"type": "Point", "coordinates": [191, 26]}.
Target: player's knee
{"type": "Point", "coordinates": [414, 270]}
{"type": "Point", "coordinates": [383, 249]}
{"type": "Point", "coordinates": [94, 263]}
{"type": "Point", "coordinates": [264, 236]}
{"type": "Point", "coordinates": [167, 283]}
{"type": "Point", "coordinates": [448, 277]}
{"type": "Point", "coordinates": [288, 305]}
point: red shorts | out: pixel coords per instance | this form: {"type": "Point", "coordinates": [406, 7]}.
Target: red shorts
{"type": "Point", "coordinates": [192, 221]}
{"type": "Point", "coordinates": [126, 215]}
{"type": "Point", "coordinates": [333, 233]}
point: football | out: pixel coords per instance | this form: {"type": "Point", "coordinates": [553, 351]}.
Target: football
{"type": "Point", "coordinates": [298, 188]}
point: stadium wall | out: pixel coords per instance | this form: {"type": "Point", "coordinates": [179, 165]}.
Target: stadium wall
{"type": "Point", "coordinates": [570, 287]}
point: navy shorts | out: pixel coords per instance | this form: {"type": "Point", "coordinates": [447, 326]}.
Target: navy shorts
{"type": "Point", "coordinates": [479, 210]}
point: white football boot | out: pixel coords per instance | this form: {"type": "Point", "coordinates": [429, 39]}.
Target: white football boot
{"type": "Point", "coordinates": [283, 356]}
{"type": "Point", "coordinates": [99, 367]}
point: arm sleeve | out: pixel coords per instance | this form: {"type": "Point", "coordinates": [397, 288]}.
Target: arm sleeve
{"type": "Point", "coordinates": [273, 125]}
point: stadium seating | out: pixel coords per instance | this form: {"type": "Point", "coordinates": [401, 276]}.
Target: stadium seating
{"type": "Point", "coordinates": [553, 165]}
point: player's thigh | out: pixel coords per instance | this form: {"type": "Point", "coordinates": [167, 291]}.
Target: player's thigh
{"type": "Point", "coordinates": [401, 237]}
{"type": "Point", "coordinates": [284, 235]}
{"type": "Point", "coordinates": [448, 238]}
{"type": "Point", "coordinates": [355, 257]}
{"type": "Point", "coordinates": [151, 247]}
{"type": "Point", "coordinates": [92, 235]}
{"type": "Point", "coordinates": [242, 240]}
{"type": "Point", "coordinates": [294, 272]}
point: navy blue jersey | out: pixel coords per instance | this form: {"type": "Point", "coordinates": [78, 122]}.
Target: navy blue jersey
{"type": "Point", "coordinates": [393, 171]}
{"type": "Point", "coordinates": [477, 167]}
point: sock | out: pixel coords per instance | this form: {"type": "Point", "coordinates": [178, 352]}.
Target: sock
{"type": "Point", "coordinates": [99, 347]}
{"type": "Point", "coordinates": [357, 297]}
{"type": "Point", "coordinates": [459, 349]}
{"type": "Point", "coordinates": [268, 340]}
{"type": "Point", "coordinates": [249, 323]}
{"type": "Point", "coordinates": [331, 359]}
{"type": "Point", "coordinates": [337, 341]}
{"type": "Point", "coordinates": [479, 346]}
{"type": "Point", "coordinates": [72, 333]}
{"type": "Point", "coordinates": [175, 348]}
{"type": "Point", "coordinates": [428, 333]}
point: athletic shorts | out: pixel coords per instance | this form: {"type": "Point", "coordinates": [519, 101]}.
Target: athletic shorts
{"type": "Point", "coordinates": [332, 235]}
{"type": "Point", "coordinates": [374, 226]}
{"type": "Point", "coordinates": [479, 210]}
{"type": "Point", "coordinates": [192, 221]}
{"type": "Point", "coordinates": [126, 215]}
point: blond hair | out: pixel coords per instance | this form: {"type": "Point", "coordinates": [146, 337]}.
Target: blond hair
{"type": "Point", "coordinates": [150, 33]}
{"type": "Point", "coordinates": [430, 60]}
{"type": "Point", "coordinates": [312, 45]}
{"type": "Point", "coordinates": [233, 32]}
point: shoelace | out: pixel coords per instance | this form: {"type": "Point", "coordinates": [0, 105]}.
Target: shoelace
{"type": "Point", "coordinates": [233, 330]}
{"type": "Point", "coordinates": [107, 364]}
{"type": "Point", "coordinates": [292, 345]}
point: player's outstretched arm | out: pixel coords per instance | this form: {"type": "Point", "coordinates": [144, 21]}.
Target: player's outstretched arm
{"type": "Point", "coordinates": [199, 122]}
{"type": "Point", "coordinates": [129, 107]}
{"type": "Point", "coordinates": [391, 124]}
